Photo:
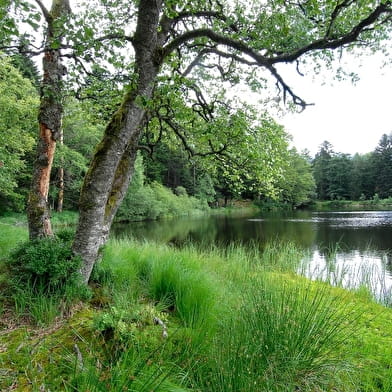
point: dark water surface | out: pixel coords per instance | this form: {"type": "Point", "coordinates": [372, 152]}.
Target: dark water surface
{"type": "Point", "coordinates": [345, 245]}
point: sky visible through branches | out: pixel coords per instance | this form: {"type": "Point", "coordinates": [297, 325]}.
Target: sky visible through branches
{"type": "Point", "coordinates": [351, 116]}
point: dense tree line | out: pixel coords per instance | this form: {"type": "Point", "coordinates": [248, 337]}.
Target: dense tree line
{"type": "Point", "coordinates": [341, 176]}
{"type": "Point", "coordinates": [168, 164]}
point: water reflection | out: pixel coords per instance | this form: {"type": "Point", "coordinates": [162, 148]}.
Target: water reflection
{"type": "Point", "coordinates": [339, 242]}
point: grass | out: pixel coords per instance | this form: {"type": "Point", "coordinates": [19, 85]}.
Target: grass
{"type": "Point", "coordinates": [165, 319]}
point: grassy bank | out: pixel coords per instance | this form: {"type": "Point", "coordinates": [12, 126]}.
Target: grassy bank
{"type": "Point", "coordinates": [164, 319]}
{"type": "Point", "coordinates": [353, 205]}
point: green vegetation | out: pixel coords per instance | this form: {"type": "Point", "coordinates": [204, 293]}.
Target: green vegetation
{"type": "Point", "coordinates": [18, 105]}
{"type": "Point", "coordinates": [154, 201]}
{"type": "Point", "coordinates": [162, 319]}
{"type": "Point", "coordinates": [353, 205]}
{"type": "Point", "coordinates": [366, 178]}
{"type": "Point", "coordinates": [156, 106]}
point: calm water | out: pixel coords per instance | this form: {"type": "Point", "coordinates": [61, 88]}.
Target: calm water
{"type": "Point", "coordinates": [342, 245]}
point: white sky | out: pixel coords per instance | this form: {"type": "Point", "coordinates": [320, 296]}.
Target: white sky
{"type": "Point", "coordinates": [351, 117]}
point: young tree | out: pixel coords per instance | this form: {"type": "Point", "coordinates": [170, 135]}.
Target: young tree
{"type": "Point", "coordinates": [190, 47]}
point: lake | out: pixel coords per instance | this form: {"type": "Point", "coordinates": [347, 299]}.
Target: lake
{"type": "Point", "coordinates": [344, 247]}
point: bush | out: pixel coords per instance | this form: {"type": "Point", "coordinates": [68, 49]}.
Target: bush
{"type": "Point", "coordinates": [46, 265]}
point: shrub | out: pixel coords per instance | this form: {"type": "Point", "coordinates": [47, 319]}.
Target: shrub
{"type": "Point", "coordinates": [46, 265]}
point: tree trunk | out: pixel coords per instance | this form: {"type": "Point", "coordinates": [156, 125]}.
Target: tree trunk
{"type": "Point", "coordinates": [49, 118]}
{"type": "Point", "coordinates": [60, 196]}
{"type": "Point", "coordinates": [112, 166]}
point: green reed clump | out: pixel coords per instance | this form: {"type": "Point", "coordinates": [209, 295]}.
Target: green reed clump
{"type": "Point", "coordinates": [172, 278]}
{"type": "Point", "coordinates": [281, 337]}
{"type": "Point", "coordinates": [133, 371]}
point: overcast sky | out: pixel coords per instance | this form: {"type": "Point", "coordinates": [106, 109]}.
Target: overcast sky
{"type": "Point", "coordinates": [351, 117]}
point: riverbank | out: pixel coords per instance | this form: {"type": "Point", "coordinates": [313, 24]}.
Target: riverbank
{"type": "Point", "coordinates": [352, 205]}
{"type": "Point", "coordinates": [164, 319]}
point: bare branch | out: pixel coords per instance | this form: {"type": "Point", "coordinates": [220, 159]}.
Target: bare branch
{"type": "Point", "coordinates": [287, 90]}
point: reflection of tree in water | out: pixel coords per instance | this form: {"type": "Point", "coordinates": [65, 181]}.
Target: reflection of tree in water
{"type": "Point", "coordinates": [299, 228]}
{"type": "Point", "coordinates": [362, 239]}
{"type": "Point", "coordinates": [220, 231]}
{"type": "Point", "coordinates": [178, 230]}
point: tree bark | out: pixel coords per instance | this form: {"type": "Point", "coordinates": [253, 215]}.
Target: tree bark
{"type": "Point", "coordinates": [112, 166]}
{"type": "Point", "coordinates": [49, 118]}
{"type": "Point", "coordinates": [60, 196]}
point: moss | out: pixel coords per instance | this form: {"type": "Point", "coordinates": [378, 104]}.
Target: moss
{"type": "Point", "coordinates": [118, 184]}
{"type": "Point", "coordinates": [34, 357]}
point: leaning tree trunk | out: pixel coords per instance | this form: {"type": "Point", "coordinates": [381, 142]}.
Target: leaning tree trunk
{"type": "Point", "coordinates": [49, 118]}
{"type": "Point", "coordinates": [112, 166]}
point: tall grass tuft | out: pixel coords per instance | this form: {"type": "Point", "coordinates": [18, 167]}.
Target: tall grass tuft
{"type": "Point", "coordinates": [173, 278]}
{"type": "Point", "coordinates": [281, 337]}
{"type": "Point", "coordinates": [133, 371]}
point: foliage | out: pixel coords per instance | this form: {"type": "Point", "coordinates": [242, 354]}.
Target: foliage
{"type": "Point", "coordinates": [46, 265]}
{"type": "Point", "coordinates": [382, 158]}
{"type": "Point", "coordinates": [82, 130]}
{"type": "Point", "coordinates": [340, 177]}
{"type": "Point", "coordinates": [297, 184]}
{"type": "Point", "coordinates": [154, 201]}
{"type": "Point", "coordinates": [18, 105]}
{"type": "Point", "coordinates": [26, 66]}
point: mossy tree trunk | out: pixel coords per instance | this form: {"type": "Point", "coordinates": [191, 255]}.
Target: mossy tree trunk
{"type": "Point", "coordinates": [49, 118]}
{"type": "Point", "coordinates": [113, 163]}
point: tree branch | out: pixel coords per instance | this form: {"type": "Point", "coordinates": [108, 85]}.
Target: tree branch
{"type": "Point", "coordinates": [324, 43]}
{"type": "Point", "coordinates": [217, 38]}
{"type": "Point", "coordinates": [335, 13]}
{"type": "Point", "coordinates": [287, 90]}
{"type": "Point", "coordinates": [45, 11]}
{"type": "Point", "coordinates": [327, 43]}
{"type": "Point", "coordinates": [220, 53]}
{"type": "Point", "coordinates": [191, 152]}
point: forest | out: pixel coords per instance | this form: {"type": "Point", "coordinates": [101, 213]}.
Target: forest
{"type": "Point", "coordinates": [124, 111]}
{"type": "Point", "coordinates": [168, 170]}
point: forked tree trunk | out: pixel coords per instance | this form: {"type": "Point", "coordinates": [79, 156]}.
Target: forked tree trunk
{"type": "Point", "coordinates": [49, 117]}
{"type": "Point", "coordinates": [112, 166]}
